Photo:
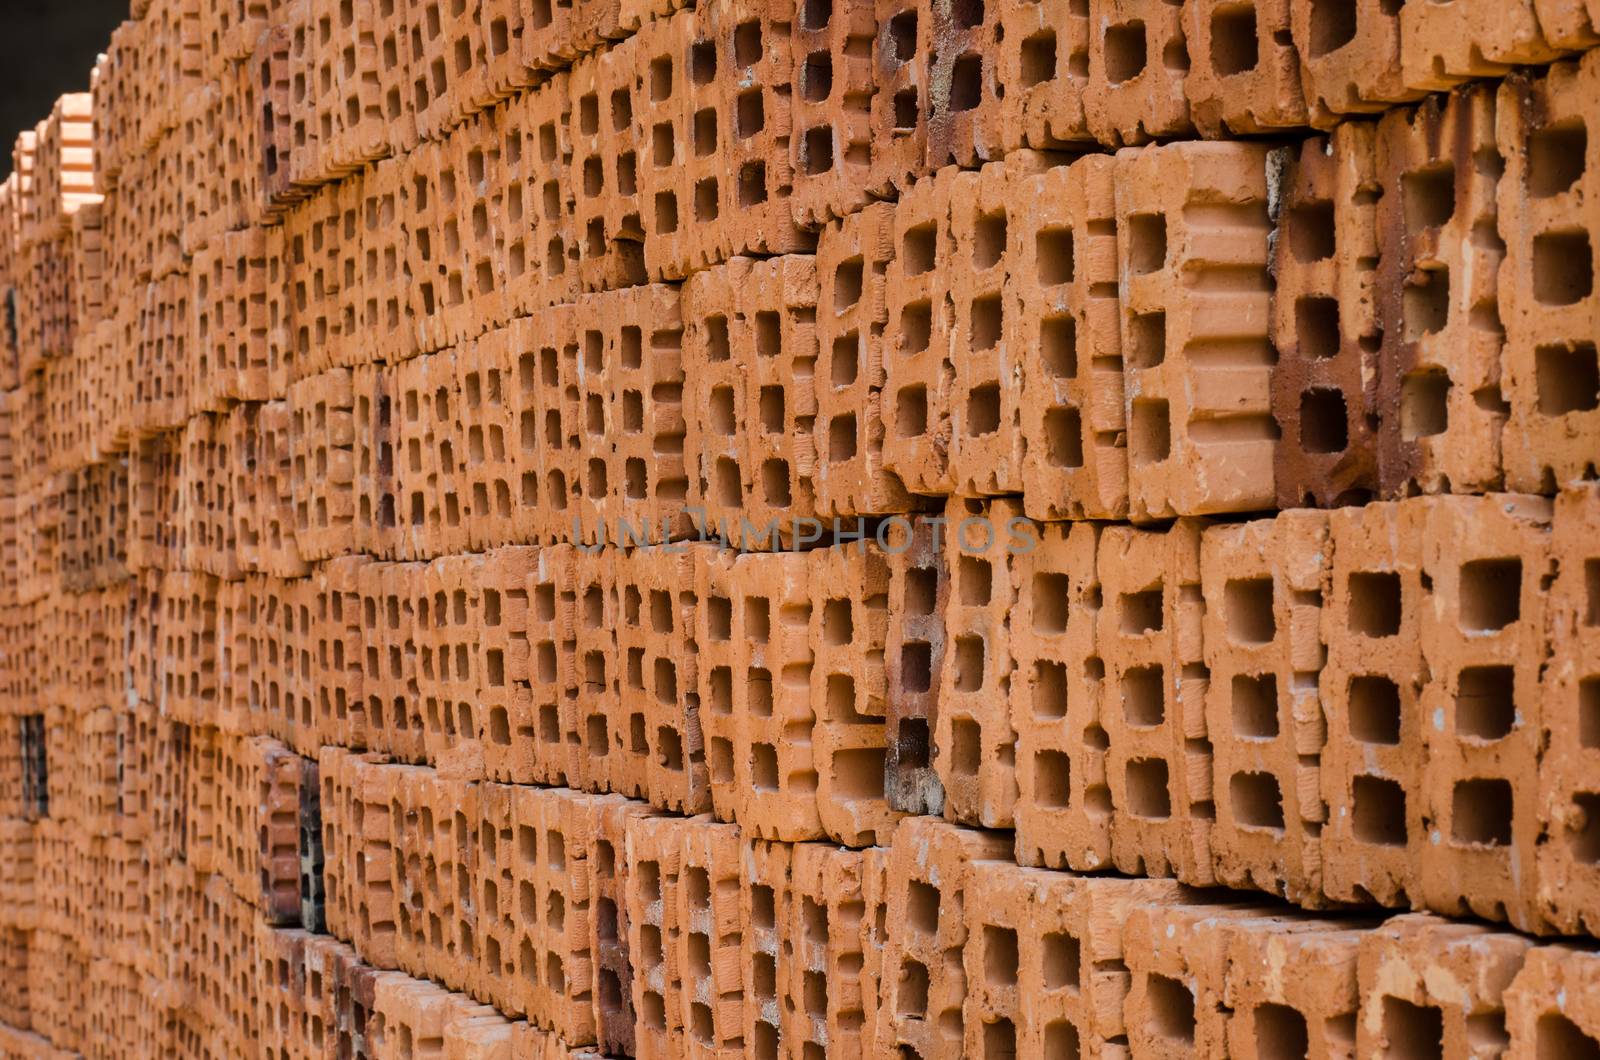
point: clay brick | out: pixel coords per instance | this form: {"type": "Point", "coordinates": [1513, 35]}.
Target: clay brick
{"type": "Point", "coordinates": [384, 280]}
{"type": "Point", "coordinates": [830, 151]}
{"type": "Point", "coordinates": [600, 717]}
{"type": "Point", "coordinates": [451, 663]}
{"type": "Point", "coordinates": [349, 101]}
{"type": "Point", "coordinates": [848, 625]}
{"type": "Point", "coordinates": [831, 994]}
{"type": "Point", "coordinates": [610, 865]}
{"type": "Point", "coordinates": [323, 435]}
{"type": "Point", "coordinates": [487, 430]}
{"type": "Point", "coordinates": [430, 514]}
{"type": "Point", "coordinates": [1138, 65]}
{"type": "Point", "coordinates": [258, 808]}
{"type": "Point", "coordinates": [605, 155]}
{"type": "Point", "coordinates": [117, 89]}
{"type": "Point", "coordinates": [444, 60]}
{"type": "Point", "coordinates": [853, 257]}
{"type": "Point", "coordinates": [964, 86]}
{"type": "Point", "coordinates": [1264, 583]}
{"type": "Point", "coordinates": [1483, 650]}
{"type": "Point", "coordinates": [1062, 812]}
{"type": "Point", "coordinates": [766, 921]}
{"type": "Point", "coordinates": [358, 798]}
{"type": "Point", "coordinates": [923, 983]}
{"type": "Point", "coordinates": [1545, 297]}
{"type": "Point", "coordinates": [749, 356]}
{"type": "Point", "coordinates": [1043, 63]}
{"type": "Point", "coordinates": [914, 646]}
{"type": "Point", "coordinates": [410, 1015]}
{"type": "Point", "coordinates": [1431, 984]}
{"type": "Point", "coordinates": [684, 935]}
{"type": "Point", "coordinates": [975, 744]}
{"type": "Point", "coordinates": [1245, 76]}
{"type": "Point", "coordinates": [1045, 960]}
{"type": "Point", "coordinates": [536, 198]}
{"type": "Point", "coordinates": [1063, 327]}
{"type": "Point", "coordinates": [1566, 877]}
{"type": "Point", "coordinates": [545, 423]}
{"type": "Point", "coordinates": [900, 107]}
{"type": "Point", "coordinates": [335, 636]}
{"type": "Point", "coordinates": [458, 259]}
{"type": "Point", "coordinates": [1158, 760]}
{"type": "Point", "coordinates": [437, 912]}
{"type": "Point", "coordinates": [1372, 759]}
{"type": "Point", "coordinates": [1439, 401]}
{"type": "Point", "coordinates": [1324, 321]}
{"type": "Point", "coordinates": [1478, 41]}
{"type": "Point", "coordinates": [1548, 1006]}
{"type": "Point", "coordinates": [63, 176]}
{"type": "Point", "coordinates": [1197, 350]}
{"type": "Point", "coordinates": [201, 149]}
{"type": "Point", "coordinates": [656, 732]}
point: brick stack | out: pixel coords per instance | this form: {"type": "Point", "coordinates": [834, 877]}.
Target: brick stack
{"type": "Point", "coordinates": [668, 529]}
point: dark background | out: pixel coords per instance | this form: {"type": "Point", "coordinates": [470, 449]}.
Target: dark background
{"type": "Point", "coordinates": [47, 48]}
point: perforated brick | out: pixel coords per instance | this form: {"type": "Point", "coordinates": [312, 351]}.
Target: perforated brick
{"type": "Point", "coordinates": [914, 647]}
{"type": "Point", "coordinates": [1138, 64]}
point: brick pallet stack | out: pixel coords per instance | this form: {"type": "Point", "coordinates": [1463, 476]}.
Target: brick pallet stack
{"type": "Point", "coordinates": [908, 528]}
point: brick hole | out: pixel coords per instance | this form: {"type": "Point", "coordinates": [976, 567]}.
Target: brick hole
{"type": "Point", "coordinates": [1053, 256]}
{"type": "Point", "coordinates": [842, 438]}
{"type": "Point", "coordinates": [1255, 706]}
{"type": "Point", "coordinates": [666, 212]}
{"type": "Point", "coordinates": [1000, 1040]}
{"type": "Point", "coordinates": [1171, 1007]}
{"type": "Point", "coordinates": [989, 240]}
{"type": "Point", "coordinates": [1558, 1038]}
{"type": "Point", "coordinates": [703, 62]}
{"type": "Point", "coordinates": [1424, 404]}
{"type": "Point", "coordinates": [1038, 58]}
{"type": "Point", "coordinates": [905, 109]}
{"type": "Point", "coordinates": [1414, 1032]}
{"type": "Point", "coordinates": [1589, 711]}
{"type": "Point", "coordinates": [1248, 604]}
{"type": "Point", "coordinates": [1379, 815]}
{"type": "Point", "coordinates": [1142, 612]}
{"type": "Point", "coordinates": [1374, 709]}
{"type": "Point", "coordinates": [771, 407]}
{"type": "Point", "coordinates": [1490, 594]}
{"type": "Point", "coordinates": [610, 991]}
{"type": "Point", "coordinates": [1316, 323]}
{"type": "Point", "coordinates": [913, 992]}
{"type": "Point", "coordinates": [916, 666]}
{"type": "Point", "coordinates": [816, 77]}
{"type": "Point", "coordinates": [775, 487]}
{"type": "Point", "coordinates": [1429, 196]}
{"type": "Point", "coordinates": [976, 578]}
{"type": "Point", "coordinates": [1425, 306]}
{"type": "Point", "coordinates": [705, 132]}
{"type": "Point", "coordinates": [965, 746]}
{"type": "Point", "coordinates": [1485, 702]}
{"type": "Point", "coordinates": [596, 737]}
{"type": "Point", "coordinates": [1568, 378]}
{"type": "Point", "coordinates": [1152, 433]}
{"type": "Point", "coordinates": [763, 907]}
{"type": "Point", "coordinates": [660, 74]}
{"type": "Point", "coordinates": [1563, 267]}
{"type": "Point", "coordinates": [637, 743]}
{"type": "Point", "coordinates": [766, 1044]}
{"type": "Point", "coordinates": [759, 698]}
{"type": "Point", "coordinates": [1148, 794]}
{"type": "Point", "coordinates": [902, 36]}
{"type": "Point", "coordinates": [966, 83]}
{"type": "Point", "coordinates": [747, 48]}
{"type": "Point", "coordinates": [838, 626]}
{"type": "Point", "coordinates": [1556, 157]}
{"type": "Point", "coordinates": [705, 200]}
{"type": "Point", "coordinates": [1374, 603]}
{"type": "Point", "coordinates": [1480, 812]}
{"type": "Point", "coordinates": [1234, 49]}
{"type": "Point", "coordinates": [654, 1011]}
{"type": "Point", "coordinates": [1052, 780]}
{"type": "Point", "coordinates": [814, 994]}
{"type": "Point", "coordinates": [1063, 429]}
{"type": "Point", "coordinates": [1585, 828]}
{"type": "Point", "coordinates": [719, 760]}
{"type": "Point", "coordinates": [750, 113]}
{"type": "Point", "coordinates": [758, 619]}
{"type": "Point", "coordinates": [700, 1023]}
{"type": "Point", "coordinates": [1257, 800]}
{"type": "Point", "coordinates": [968, 13]}
{"type": "Point", "coordinates": [721, 682]}
{"type": "Point", "coordinates": [1311, 233]}
{"type": "Point", "coordinates": [845, 362]}
{"type": "Point", "coordinates": [1061, 1041]}
{"type": "Point", "coordinates": [814, 920]}
{"type": "Point", "coordinates": [969, 664]}
{"type": "Point", "coordinates": [922, 906]}
{"type": "Point", "coordinates": [1280, 1032]}
{"type": "Point", "coordinates": [1125, 52]}
{"type": "Point", "coordinates": [764, 767]}
{"type": "Point", "coordinates": [1058, 346]}
{"type": "Point", "coordinates": [912, 743]}
{"type": "Point", "coordinates": [911, 411]}
{"type": "Point", "coordinates": [1147, 239]}
{"type": "Point", "coordinates": [819, 149]}
{"type": "Point", "coordinates": [983, 407]}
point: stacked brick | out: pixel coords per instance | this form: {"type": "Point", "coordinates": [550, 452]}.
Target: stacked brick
{"type": "Point", "coordinates": [640, 529]}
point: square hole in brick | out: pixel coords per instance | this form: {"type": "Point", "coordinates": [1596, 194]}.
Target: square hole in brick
{"type": "Point", "coordinates": [1248, 606]}
{"type": "Point", "coordinates": [1333, 25]}
{"type": "Point", "coordinates": [983, 410]}
{"type": "Point", "coordinates": [818, 149]}
{"type": "Point", "coordinates": [989, 240]}
{"type": "Point", "coordinates": [759, 692]}
{"type": "Point", "coordinates": [666, 212]}
{"type": "Point", "coordinates": [1038, 60]}
{"type": "Point", "coordinates": [976, 579]}
{"type": "Point", "coordinates": [1425, 304]}
{"type": "Point", "coordinates": [1050, 599]}
{"type": "Point", "coordinates": [1486, 702]}
{"type": "Point", "coordinates": [1151, 441]}
{"type": "Point", "coordinates": [1144, 695]}
{"type": "Point", "coordinates": [771, 408]}
{"type": "Point", "coordinates": [1567, 378]}
{"type": "Point", "coordinates": [747, 46]}
{"type": "Point", "coordinates": [1063, 433]}
{"type": "Point", "coordinates": [922, 907]}
{"type": "Point", "coordinates": [906, 109]}
{"type": "Point", "coordinates": [1257, 800]}
{"type": "Point", "coordinates": [1589, 712]}
{"type": "Point", "coordinates": [1125, 55]}
{"type": "Point", "coordinates": [917, 249]}
{"type": "Point", "coordinates": [1323, 425]}
{"type": "Point", "coordinates": [1316, 322]}
{"type": "Point", "coordinates": [764, 767]}
{"type": "Point", "coordinates": [1374, 709]}
{"type": "Point", "coordinates": [1584, 830]}
{"type": "Point", "coordinates": [1374, 603]}
{"type": "Point", "coordinates": [1147, 232]}
{"type": "Point", "coordinates": [1280, 1032]}
{"type": "Point", "coordinates": [1171, 1006]}
{"type": "Point", "coordinates": [1481, 812]}
{"type": "Point", "coordinates": [966, 83]}
{"type": "Point", "coordinates": [1234, 49]}
{"type": "Point", "coordinates": [916, 666]}
{"type": "Point", "coordinates": [705, 132]}
{"type": "Point", "coordinates": [965, 746]}
{"type": "Point", "coordinates": [1147, 788]}
{"type": "Point", "coordinates": [1147, 339]}
{"type": "Point", "coordinates": [1563, 268]}
{"type": "Point", "coordinates": [721, 688]}
{"type": "Point", "coordinates": [847, 279]}
{"type": "Point", "coordinates": [720, 410]}
{"type": "Point", "coordinates": [987, 317]}
{"type": "Point", "coordinates": [1556, 157]}
{"type": "Point", "coordinates": [842, 444]}
{"type": "Point", "coordinates": [1052, 780]}
{"type": "Point", "coordinates": [1429, 196]}
{"type": "Point", "coordinates": [1311, 237]}
{"type": "Point", "coordinates": [1490, 594]}
{"type": "Point", "coordinates": [916, 327]}
{"type": "Point", "coordinates": [1062, 959]}
{"type": "Point", "coordinates": [750, 113]}
{"type": "Point", "coordinates": [912, 990]}
{"type": "Point", "coordinates": [1001, 961]}
{"type": "Point", "coordinates": [1053, 255]}
{"type": "Point", "coordinates": [775, 486]}
{"type": "Point", "coordinates": [705, 200]}
{"type": "Point", "coordinates": [1255, 706]}
{"type": "Point", "coordinates": [838, 627]}
{"type": "Point", "coordinates": [1379, 814]}
{"type": "Point", "coordinates": [912, 744]}
{"type": "Point", "coordinates": [1058, 346]}
{"type": "Point", "coordinates": [901, 37]}
{"type": "Point", "coordinates": [1142, 611]}
{"type": "Point", "coordinates": [1424, 404]}
{"type": "Point", "coordinates": [1413, 1030]}
{"type": "Point", "coordinates": [911, 412]}
{"type": "Point", "coordinates": [1000, 1040]}
{"type": "Point", "coordinates": [969, 664]}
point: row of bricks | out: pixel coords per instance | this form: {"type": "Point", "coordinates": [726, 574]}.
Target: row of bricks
{"type": "Point", "coordinates": [1235, 703]}
{"type": "Point", "coordinates": [909, 409]}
